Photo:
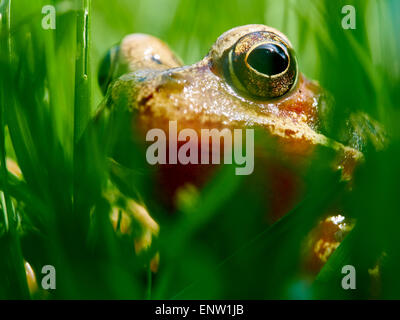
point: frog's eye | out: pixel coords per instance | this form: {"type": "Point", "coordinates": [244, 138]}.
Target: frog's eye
{"type": "Point", "coordinates": [268, 59]}
{"type": "Point", "coordinates": [262, 64]}
{"type": "Point", "coordinates": [108, 68]}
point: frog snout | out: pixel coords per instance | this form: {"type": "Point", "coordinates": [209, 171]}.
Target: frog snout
{"type": "Point", "coordinates": [136, 52]}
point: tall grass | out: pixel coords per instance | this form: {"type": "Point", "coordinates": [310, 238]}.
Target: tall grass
{"type": "Point", "coordinates": [215, 247]}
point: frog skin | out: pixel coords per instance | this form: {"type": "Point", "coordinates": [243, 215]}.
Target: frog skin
{"type": "Point", "coordinates": [249, 79]}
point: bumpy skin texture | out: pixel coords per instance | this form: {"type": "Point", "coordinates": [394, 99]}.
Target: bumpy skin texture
{"type": "Point", "coordinates": [155, 88]}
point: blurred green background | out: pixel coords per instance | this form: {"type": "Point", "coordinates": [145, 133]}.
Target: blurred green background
{"type": "Point", "coordinates": [215, 247]}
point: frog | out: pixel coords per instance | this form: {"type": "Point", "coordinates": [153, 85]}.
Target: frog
{"type": "Point", "coordinates": [250, 78]}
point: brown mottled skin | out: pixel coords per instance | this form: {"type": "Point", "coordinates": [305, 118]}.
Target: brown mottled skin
{"type": "Point", "coordinates": [156, 88]}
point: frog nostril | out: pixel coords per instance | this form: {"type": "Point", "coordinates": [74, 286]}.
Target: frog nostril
{"type": "Point", "coordinates": [156, 59]}
{"type": "Point", "coordinates": [268, 58]}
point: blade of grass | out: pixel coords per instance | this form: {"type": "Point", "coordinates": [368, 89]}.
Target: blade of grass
{"type": "Point", "coordinates": [82, 69]}
{"type": "Point", "coordinates": [295, 223]}
{"type": "Point", "coordinates": [13, 255]}
{"type": "Point", "coordinates": [82, 102]}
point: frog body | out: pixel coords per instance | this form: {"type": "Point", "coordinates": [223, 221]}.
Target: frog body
{"type": "Point", "coordinates": [156, 89]}
{"type": "Point", "coordinates": [250, 79]}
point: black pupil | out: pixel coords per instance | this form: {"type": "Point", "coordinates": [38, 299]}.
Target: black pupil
{"type": "Point", "coordinates": [268, 59]}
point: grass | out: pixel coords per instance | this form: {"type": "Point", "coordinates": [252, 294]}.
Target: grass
{"type": "Point", "coordinates": [215, 247]}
